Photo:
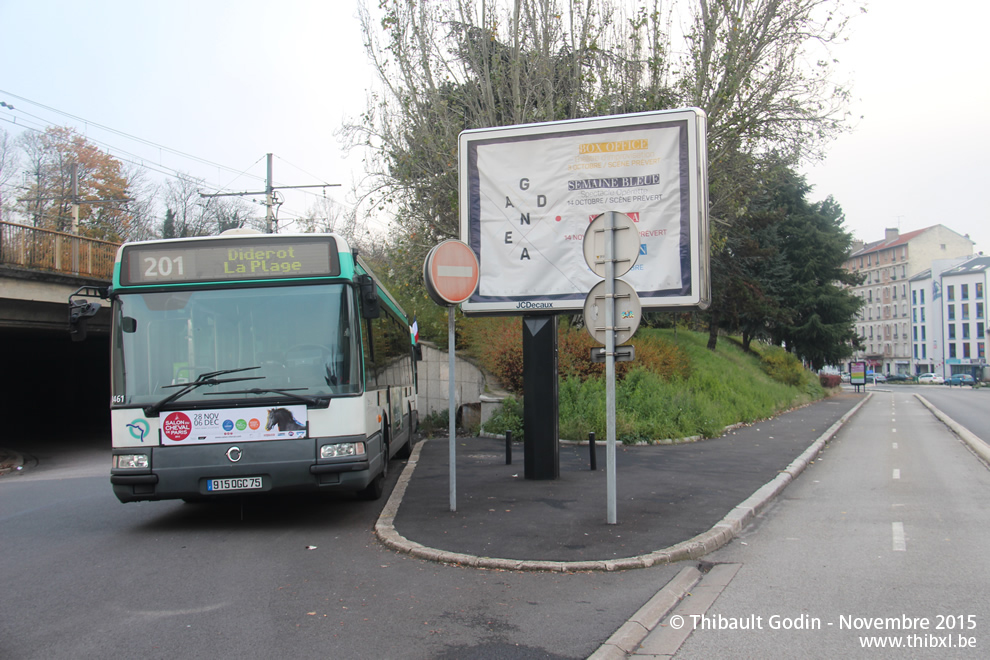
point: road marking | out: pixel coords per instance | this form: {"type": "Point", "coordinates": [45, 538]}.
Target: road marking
{"type": "Point", "coordinates": [897, 473]}
{"type": "Point", "coordinates": [897, 529]}
{"type": "Point", "coordinates": [895, 445]}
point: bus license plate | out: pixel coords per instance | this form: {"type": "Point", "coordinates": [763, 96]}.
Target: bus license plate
{"type": "Point", "coordinates": [239, 483]}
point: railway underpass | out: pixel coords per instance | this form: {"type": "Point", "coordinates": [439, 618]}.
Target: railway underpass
{"type": "Point", "coordinates": [51, 386]}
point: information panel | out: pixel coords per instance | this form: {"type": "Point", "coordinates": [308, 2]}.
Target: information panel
{"type": "Point", "coordinates": [857, 373]}
{"type": "Point", "coordinates": [529, 192]}
{"type": "Point", "coordinates": [228, 259]}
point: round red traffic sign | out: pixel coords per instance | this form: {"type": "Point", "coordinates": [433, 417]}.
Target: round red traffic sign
{"type": "Point", "coordinates": [451, 273]}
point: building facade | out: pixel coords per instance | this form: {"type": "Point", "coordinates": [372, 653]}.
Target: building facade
{"type": "Point", "coordinates": [887, 266]}
{"type": "Point", "coordinates": [927, 313]}
{"type": "Point", "coordinates": [964, 294]}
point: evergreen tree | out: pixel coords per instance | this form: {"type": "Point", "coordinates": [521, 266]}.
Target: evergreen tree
{"type": "Point", "coordinates": [819, 328]}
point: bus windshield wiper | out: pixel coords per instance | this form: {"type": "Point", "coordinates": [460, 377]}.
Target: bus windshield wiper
{"type": "Point", "coordinates": [312, 401]}
{"type": "Point", "coordinates": [209, 378]}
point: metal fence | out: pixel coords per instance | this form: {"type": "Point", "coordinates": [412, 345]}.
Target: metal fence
{"type": "Point", "coordinates": [44, 249]}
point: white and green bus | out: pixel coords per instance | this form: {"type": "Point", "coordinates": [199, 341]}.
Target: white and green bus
{"type": "Point", "coordinates": [253, 363]}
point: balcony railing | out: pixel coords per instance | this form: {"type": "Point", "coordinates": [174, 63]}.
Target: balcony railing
{"type": "Point", "coordinates": [55, 251]}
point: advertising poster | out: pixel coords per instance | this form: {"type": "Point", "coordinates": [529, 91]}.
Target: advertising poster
{"type": "Point", "coordinates": [857, 373]}
{"type": "Point", "coordinates": [529, 193]}
{"type": "Point", "coordinates": [191, 427]}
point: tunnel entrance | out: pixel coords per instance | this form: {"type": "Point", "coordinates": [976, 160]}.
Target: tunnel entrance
{"type": "Point", "coordinates": [54, 388]}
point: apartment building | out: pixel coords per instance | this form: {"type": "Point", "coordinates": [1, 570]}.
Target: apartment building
{"type": "Point", "coordinates": [949, 315]}
{"type": "Point", "coordinates": [927, 314]}
{"type": "Point", "coordinates": [887, 266]}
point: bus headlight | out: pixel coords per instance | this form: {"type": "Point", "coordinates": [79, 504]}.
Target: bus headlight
{"type": "Point", "coordinates": [131, 461]}
{"type": "Point", "coordinates": [342, 449]}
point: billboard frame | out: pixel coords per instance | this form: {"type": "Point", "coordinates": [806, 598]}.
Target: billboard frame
{"type": "Point", "coordinates": [513, 203]}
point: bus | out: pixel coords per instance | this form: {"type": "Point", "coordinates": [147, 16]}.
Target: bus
{"type": "Point", "coordinates": [253, 363]}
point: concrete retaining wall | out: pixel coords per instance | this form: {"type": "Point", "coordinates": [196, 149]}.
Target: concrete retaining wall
{"type": "Point", "coordinates": [434, 381]}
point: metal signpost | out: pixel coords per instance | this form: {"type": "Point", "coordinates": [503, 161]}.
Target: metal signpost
{"type": "Point", "coordinates": [611, 247]}
{"type": "Point", "coordinates": [451, 275]}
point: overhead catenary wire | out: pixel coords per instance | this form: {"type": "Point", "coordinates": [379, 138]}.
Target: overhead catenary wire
{"type": "Point", "coordinates": [138, 160]}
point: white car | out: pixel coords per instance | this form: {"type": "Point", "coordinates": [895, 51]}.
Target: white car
{"type": "Point", "coordinates": [931, 379]}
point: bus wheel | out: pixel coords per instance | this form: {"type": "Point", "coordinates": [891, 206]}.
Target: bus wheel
{"type": "Point", "coordinates": [374, 490]}
{"type": "Point", "coordinates": [405, 451]}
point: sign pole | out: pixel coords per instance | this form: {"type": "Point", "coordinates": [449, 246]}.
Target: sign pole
{"type": "Point", "coordinates": [452, 414]}
{"type": "Point", "coordinates": [611, 247]}
{"type": "Point", "coordinates": [450, 273]}
{"type": "Point", "coordinates": [610, 364]}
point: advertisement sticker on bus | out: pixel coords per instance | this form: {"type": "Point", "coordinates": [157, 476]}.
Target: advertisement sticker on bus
{"type": "Point", "coordinates": [191, 427]}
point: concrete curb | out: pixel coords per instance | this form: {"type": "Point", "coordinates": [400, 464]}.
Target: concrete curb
{"type": "Point", "coordinates": [694, 548]}
{"type": "Point", "coordinates": [631, 634]}
{"type": "Point", "coordinates": [979, 447]}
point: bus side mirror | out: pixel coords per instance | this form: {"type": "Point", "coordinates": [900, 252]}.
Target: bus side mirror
{"type": "Point", "coordinates": [370, 306]}
{"type": "Point", "coordinates": [80, 311]}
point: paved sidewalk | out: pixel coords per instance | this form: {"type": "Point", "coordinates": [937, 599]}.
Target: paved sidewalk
{"type": "Point", "coordinates": [673, 501]}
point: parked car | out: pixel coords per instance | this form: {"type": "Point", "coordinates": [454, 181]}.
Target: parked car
{"type": "Point", "coordinates": [844, 376]}
{"type": "Point", "coordinates": [930, 379]}
{"type": "Point", "coordinates": [897, 378]}
{"type": "Point", "coordinates": [876, 378]}
{"type": "Point", "coordinates": [959, 379]}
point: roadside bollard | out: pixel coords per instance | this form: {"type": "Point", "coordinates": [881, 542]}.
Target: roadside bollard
{"type": "Point", "coordinates": [508, 447]}
{"type": "Point", "coordinates": [594, 454]}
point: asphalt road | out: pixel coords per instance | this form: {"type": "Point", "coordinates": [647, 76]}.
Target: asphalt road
{"type": "Point", "coordinates": [890, 522]}
{"type": "Point", "coordinates": [84, 576]}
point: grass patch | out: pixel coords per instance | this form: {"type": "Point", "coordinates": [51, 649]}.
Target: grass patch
{"type": "Point", "coordinates": [712, 390]}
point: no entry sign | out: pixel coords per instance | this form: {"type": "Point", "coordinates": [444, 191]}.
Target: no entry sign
{"type": "Point", "coordinates": [451, 273]}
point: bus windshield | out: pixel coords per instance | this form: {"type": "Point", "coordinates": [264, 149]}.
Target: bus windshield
{"type": "Point", "coordinates": [302, 339]}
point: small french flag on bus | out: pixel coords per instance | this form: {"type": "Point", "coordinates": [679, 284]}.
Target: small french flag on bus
{"type": "Point", "coordinates": [414, 331]}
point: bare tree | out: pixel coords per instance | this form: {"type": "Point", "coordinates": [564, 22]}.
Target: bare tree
{"type": "Point", "coordinates": [188, 213]}
{"type": "Point", "coordinates": [8, 169]}
{"type": "Point", "coordinates": [762, 71]}
{"type": "Point", "coordinates": [449, 66]}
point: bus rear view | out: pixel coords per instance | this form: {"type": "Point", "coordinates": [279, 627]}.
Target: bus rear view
{"type": "Point", "coordinates": [255, 363]}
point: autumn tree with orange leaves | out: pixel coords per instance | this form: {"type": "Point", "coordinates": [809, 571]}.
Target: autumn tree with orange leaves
{"type": "Point", "coordinates": [103, 187]}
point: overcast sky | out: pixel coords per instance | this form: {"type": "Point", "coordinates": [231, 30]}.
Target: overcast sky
{"type": "Point", "coordinates": [227, 82]}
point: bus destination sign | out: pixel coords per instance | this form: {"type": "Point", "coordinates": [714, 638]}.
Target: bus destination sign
{"type": "Point", "coordinates": [229, 260]}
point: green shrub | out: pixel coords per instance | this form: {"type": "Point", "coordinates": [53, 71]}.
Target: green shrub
{"type": "Point", "coordinates": [507, 417]}
{"type": "Point", "coordinates": [497, 344]}
{"type": "Point", "coordinates": [675, 388]}
{"type": "Point", "coordinates": [830, 380]}
{"type": "Point", "coordinates": [720, 388]}
{"type": "Point", "coordinates": [436, 421]}
{"type": "Point", "coordinates": [782, 366]}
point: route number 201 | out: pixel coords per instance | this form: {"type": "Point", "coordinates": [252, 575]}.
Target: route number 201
{"type": "Point", "coordinates": [163, 267]}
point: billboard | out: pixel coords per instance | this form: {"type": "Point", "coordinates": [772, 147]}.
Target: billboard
{"type": "Point", "coordinates": [528, 193]}
{"type": "Point", "coordinates": [857, 373]}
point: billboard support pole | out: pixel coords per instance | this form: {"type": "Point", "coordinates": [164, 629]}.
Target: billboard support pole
{"type": "Point", "coordinates": [541, 451]}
